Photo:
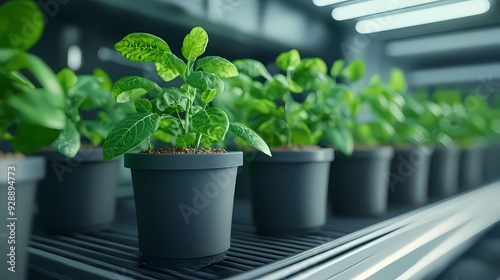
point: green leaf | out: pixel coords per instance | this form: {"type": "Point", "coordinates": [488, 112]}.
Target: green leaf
{"type": "Point", "coordinates": [446, 96]}
{"type": "Point", "coordinates": [88, 92]}
{"type": "Point", "coordinates": [398, 81]}
{"type": "Point", "coordinates": [142, 47]}
{"type": "Point", "coordinates": [129, 133]}
{"type": "Point", "coordinates": [301, 134]}
{"type": "Point", "coordinates": [130, 88]}
{"type": "Point", "coordinates": [263, 106]}
{"type": "Point", "coordinates": [218, 66]}
{"type": "Point", "coordinates": [18, 60]}
{"type": "Point", "coordinates": [95, 130]}
{"type": "Point", "coordinates": [337, 67]}
{"type": "Point", "coordinates": [212, 123]}
{"type": "Point", "coordinates": [382, 131]}
{"type": "Point", "coordinates": [275, 89]}
{"type": "Point", "coordinates": [104, 79]}
{"type": "Point", "coordinates": [316, 64]}
{"type": "Point", "coordinates": [295, 88]}
{"type": "Point", "coordinates": [205, 81]}
{"type": "Point", "coordinates": [35, 107]}
{"type": "Point", "coordinates": [341, 138]}
{"type": "Point", "coordinates": [288, 61]}
{"type": "Point", "coordinates": [143, 106]}
{"type": "Point", "coordinates": [355, 70]}
{"type": "Point", "coordinates": [195, 43]}
{"type": "Point", "coordinates": [388, 110]}
{"type": "Point", "coordinates": [313, 80]}
{"type": "Point", "coordinates": [68, 143]}
{"type": "Point", "coordinates": [169, 67]}
{"type": "Point", "coordinates": [169, 123]}
{"type": "Point", "coordinates": [19, 78]}
{"type": "Point", "coordinates": [208, 95]}
{"type": "Point", "coordinates": [25, 141]}
{"type": "Point", "coordinates": [168, 130]}
{"type": "Point", "coordinates": [185, 140]}
{"type": "Point", "coordinates": [250, 137]}
{"type": "Point", "coordinates": [252, 68]}
{"type": "Point", "coordinates": [171, 100]}
{"type": "Point", "coordinates": [21, 24]}
{"type": "Point", "coordinates": [67, 78]}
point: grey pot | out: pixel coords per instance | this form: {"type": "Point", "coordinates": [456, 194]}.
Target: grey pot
{"type": "Point", "coordinates": [28, 171]}
{"type": "Point", "coordinates": [443, 172]}
{"type": "Point", "coordinates": [470, 173]}
{"type": "Point", "coordinates": [289, 190]}
{"type": "Point", "coordinates": [409, 176]}
{"type": "Point", "coordinates": [359, 183]}
{"type": "Point", "coordinates": [184, 206]}
{"type": "Point", "coordinates": [79, 194]}
{"type": "Point", "coordinates": [491, 163]}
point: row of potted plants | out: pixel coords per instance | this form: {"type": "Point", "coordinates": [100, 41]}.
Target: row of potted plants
{"type": "Point", "coordinates": [385, 139]}
{"type": "Point", "coordinates": [42, 113]}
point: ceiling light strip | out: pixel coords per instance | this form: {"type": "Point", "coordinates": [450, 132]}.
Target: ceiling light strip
{"type": "Point", "coordinates": [423, 16]}
{"type": "Point", "coordinates": [373, 7]}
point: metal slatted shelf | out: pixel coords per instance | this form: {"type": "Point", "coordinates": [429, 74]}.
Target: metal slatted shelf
{"type": "Point", "coordinates": [402, 242]}
{"type": "Point", "coordinates": [115, 249]}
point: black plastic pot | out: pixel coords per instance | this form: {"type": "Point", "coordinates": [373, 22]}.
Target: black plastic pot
{"type": "Point", "coordinates": [443, 172]}
{"type": "Point", "coordinates": [470, 173]}
{"type": "Point", "coordinates": [289, 190]}
{"type": "Point", "coordinates": [409, 176]}
{"type": "Point", "coordinates": [16, 228]}
{"type": "Point", "coordinates": [243, 188]}
{"type": "Point", "coordinates": [77, 195]}
{"type": "Point", "coordinates": [491, 163]}
{"type": "Point", "coordinates": [184, 205]}
{"type": "Point", "coordinates": [359, 183]}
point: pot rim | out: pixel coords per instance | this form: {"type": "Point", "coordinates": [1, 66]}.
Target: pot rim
{"type": "Point", "coordinates": [410, 149]}
{"type": "Point", "coordinates": [378, 151]}
{"type": "Point", "coordinates": [84, 155]}
{"type": "Point", "coordinates": [136, 160]}
{"type": "Point", "coordinates": [316, 155]}
{"type": "Point", "coordinates": [29, 168]}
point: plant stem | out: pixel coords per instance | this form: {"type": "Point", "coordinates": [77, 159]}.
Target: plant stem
{"type": "Point", "coordinates": [288, 103]}
{"type": "Point", "coordinates": [180, 120]}
{"type": "Point", "coordinates": [187, 118]}
{"type": "Point", "coordinates": [189, 109]}
{"type": "Point", "coordinates": [198, 141]}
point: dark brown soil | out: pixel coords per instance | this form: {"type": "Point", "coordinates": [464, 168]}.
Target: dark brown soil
{"type": "Point", "coordinates": [83, 146]}
{"type": "Point", "coordinates": [170, 150]}
{"type": "Point", "coordinates": [11, 155]}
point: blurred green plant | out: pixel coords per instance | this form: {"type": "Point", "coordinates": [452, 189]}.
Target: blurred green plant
{"type": "Point", "coordinates": [374, 109]}
{"type": "Point", "coordinates": [266, 102]}
{"type": "Point", "coordinates": [84, 93]}
{"type": "Point", "coordinates": [32, 107]}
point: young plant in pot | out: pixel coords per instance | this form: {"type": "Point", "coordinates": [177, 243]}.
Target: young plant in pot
{"type": "Point", "coordinates": [467, 127]}
{"type": "Point", "coordinates": [183, 194]}
{"type": "Point", "coordinates": [75, 196]}
{"type": "Point", "coordinates": [239, 103]}
{"type": "Point", "coordinates": [491, 161]}
{"type": "Point", "coordinates": [412, 155]}
{"type": "Point", "coordinates": [359, 176]}
{"type": "Point", "coordinates": [445, 159]}
{"type": "Point", "coordinates": [289, 190]}
{"type": "Point", "coordinates": [30, 118]}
